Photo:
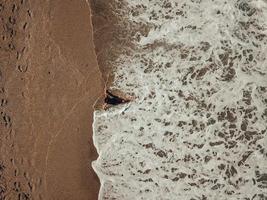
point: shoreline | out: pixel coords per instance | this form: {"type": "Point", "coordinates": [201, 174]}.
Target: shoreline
{"type": "Point", "coordinates": [182, 136]}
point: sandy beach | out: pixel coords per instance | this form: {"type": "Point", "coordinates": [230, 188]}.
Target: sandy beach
{"type": "Point", "coordinates": [49, 82]}
{"type": "Point", "coordinates": [143, 99]}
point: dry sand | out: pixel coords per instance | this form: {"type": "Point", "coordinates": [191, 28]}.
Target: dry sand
{"type": "Point", "coordinates": [49, 81]}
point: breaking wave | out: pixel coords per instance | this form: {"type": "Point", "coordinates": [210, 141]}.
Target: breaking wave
{"type": "Point", "coordinates": [196, 128]}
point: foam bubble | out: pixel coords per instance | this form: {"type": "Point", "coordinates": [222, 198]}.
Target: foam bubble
{"type": "Point", "coordinates": [197, 127]}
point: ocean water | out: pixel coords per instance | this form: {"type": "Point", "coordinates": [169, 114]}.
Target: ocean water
{"type": "Point", "coordinates": [196, 127]}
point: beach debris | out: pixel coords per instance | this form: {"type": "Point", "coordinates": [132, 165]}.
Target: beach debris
{"type": "Point", "coordinates": [112, 100]}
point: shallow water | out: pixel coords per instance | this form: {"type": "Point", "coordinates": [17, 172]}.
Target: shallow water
{"type": "Point", "coordinates": [196, 128]}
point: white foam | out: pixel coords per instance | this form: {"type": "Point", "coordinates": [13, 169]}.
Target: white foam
{"type": "Point", "coordinates": [208, 61]}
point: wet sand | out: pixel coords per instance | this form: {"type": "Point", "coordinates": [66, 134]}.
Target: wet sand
{"type": "Point", "coordinates": [109, 36]}
{"type": "Point", "coordinates": [49, 83]}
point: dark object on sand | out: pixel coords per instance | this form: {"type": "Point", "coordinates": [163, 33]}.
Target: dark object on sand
{"type": "Point", "coordinates": [113, 99]}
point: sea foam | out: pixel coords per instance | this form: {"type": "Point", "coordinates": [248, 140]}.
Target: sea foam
{"type": "Point", "coordinates": [196, 128]}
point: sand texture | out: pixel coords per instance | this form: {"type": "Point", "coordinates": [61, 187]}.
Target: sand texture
{"type": "Point", "coordinates": [49, 81]}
